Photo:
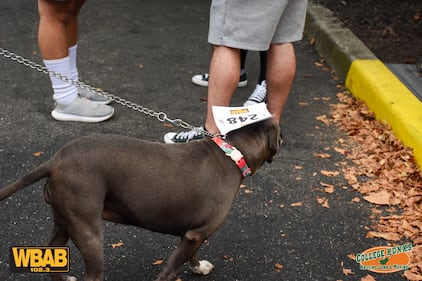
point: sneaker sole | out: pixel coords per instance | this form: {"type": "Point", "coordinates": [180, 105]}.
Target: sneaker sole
{"type": "Point", "coordinates": [59, 116]}
{"type": "Point", "coordinates": [199, 82]}
{"type": "Point", "coordinates": [242, 83]}
{"type": "Point", "coordinates": [203, 83]}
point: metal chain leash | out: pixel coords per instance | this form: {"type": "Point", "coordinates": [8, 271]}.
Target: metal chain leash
{"type": "Point", "coordinates": [161, 116]}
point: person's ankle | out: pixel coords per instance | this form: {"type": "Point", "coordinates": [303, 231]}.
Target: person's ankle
{"type": "Point", "coordinates": [66, 101]}
{"type": "Point", "coordinates": [211, 129]}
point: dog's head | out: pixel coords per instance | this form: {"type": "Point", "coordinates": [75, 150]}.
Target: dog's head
{"type": "Point", "coordinates": [274, 139]}
{"type": "Point", "coordinates": [258, 142]}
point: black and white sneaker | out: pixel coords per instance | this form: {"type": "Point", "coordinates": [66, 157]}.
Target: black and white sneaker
{"type": "Point", "coordinates": [202, 80]}
{"type": "Point", "coordinates": [184, 136]}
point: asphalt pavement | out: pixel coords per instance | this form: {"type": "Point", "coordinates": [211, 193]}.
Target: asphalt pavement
{"type": "Point", "coordinates": [147, 52]}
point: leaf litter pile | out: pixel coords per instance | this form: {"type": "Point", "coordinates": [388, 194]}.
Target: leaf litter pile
{"type": "Point", "coordinates": [385, 173]}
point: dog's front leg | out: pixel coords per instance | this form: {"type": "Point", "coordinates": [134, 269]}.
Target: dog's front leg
{"type": "Point", "coordinates": [190, 243]}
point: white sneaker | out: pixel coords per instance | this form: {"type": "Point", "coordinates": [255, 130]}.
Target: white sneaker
{"type": "Point", "coordinates": [258, 95]}
{"type": "Point", "coordinates": [82, 110]}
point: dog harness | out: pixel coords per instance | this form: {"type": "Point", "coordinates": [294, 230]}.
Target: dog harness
{"type": "Point", "coordinates": [235, 155]}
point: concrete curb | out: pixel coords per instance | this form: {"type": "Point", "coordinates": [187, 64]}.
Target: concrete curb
{"type": "Point", "coordinates": [367, 77]}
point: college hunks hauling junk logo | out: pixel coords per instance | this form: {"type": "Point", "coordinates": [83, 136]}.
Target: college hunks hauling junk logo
{"type": "Point", "coordinates": [385, 259]}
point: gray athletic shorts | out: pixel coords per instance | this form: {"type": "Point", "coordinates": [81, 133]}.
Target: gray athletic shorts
{"type": "Point", "coordinates": [255, 24]}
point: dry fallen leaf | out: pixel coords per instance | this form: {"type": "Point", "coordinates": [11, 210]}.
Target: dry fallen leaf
{"type": "Point", "coordinates": [412, 276]}
{"type": "Point", "coordinates": [382, 197]}
{"type": "Point", "coordinates": [227, 257]}
{"type": "Point", "coordinates": [391, 236]}
{"type": "Point", "coordinates": [352, 256]}
{"type": "Point", "coordinates": [347, 271]}
{"type": "Point", "coordinates": [323, 119]}
{"type": "Point", "coordinates": [329, 188]}
{"type": "Point", "coordinates": [279, 266]}
{"type": "Point", "coordinates": [116, 245]}
{"type": "Point", "coordinates": [341, 150]}
{"type": "Point", "coordinates": [330, 173]}
{"type": "Point", "coordinates": [37, 154]}
{"type": "Point", "coordinates": [158, 262]}
{"type": "Point", "coordinates": [323, 201]}
{"type": "Point", "coordinates": [368, 278]}
{"type": "Point", "coordinates": [322, 155]}
{"type": "Point", "coordinates": [296, 204]}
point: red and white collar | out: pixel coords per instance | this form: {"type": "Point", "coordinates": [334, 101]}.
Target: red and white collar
{"type": "Point", "coordinates": [235, 155]}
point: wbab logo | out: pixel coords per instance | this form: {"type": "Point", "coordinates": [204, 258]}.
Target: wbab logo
{"type": "Point", "coordinates": [39, 259]}
{"type": "Point", "coordinates": [385, 259]}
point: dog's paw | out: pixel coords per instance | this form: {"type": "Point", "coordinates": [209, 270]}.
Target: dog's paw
{"type": "Point", "coordinates": [204, 268]}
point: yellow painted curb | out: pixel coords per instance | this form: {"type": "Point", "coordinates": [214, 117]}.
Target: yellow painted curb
{"type": "Point", "coordinates": [391, 101]}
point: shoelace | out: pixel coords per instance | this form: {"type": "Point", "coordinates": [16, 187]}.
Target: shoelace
{"type": "Point", "coordinates": [260, 92]}
{"type": "Point", "coordinates": [198, 131]}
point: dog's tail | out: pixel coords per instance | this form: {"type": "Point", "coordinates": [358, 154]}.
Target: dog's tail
{"type": "Point", "coordinates": [35, 175]}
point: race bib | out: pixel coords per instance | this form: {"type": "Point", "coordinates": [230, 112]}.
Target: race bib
{"type": "Point", "coordinates": [231, 118]}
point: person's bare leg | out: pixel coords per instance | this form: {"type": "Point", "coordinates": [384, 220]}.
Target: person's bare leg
{"type": "Point", "coordinates": [72, 27]}
{"type": "Point", "coordinates": [281, 70]}
{"type": "Point", "coordinates": [223, 78]}
{"type": "Point", "coordinates": [58, 27]}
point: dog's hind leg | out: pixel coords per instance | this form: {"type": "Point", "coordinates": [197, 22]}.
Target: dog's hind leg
{"type": "Point", "coordinates": [189, 244]}
{"type": "Point", "coordinates": [88, 238]}
{"type": "Point", "coordinates": [59, 237]}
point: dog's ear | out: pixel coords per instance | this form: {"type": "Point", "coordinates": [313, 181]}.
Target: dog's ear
{"type": "Point", "coordinates": [274, 139]}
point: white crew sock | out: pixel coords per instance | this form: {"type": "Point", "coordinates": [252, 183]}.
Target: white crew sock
{"type": "Point", "coordinates": [74, 74]}
{"type": "Point", "coordinates": [64, 93]}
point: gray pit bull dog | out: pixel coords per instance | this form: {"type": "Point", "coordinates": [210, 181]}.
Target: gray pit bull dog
{"type": "Point", "coordinates": [141, 183]}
